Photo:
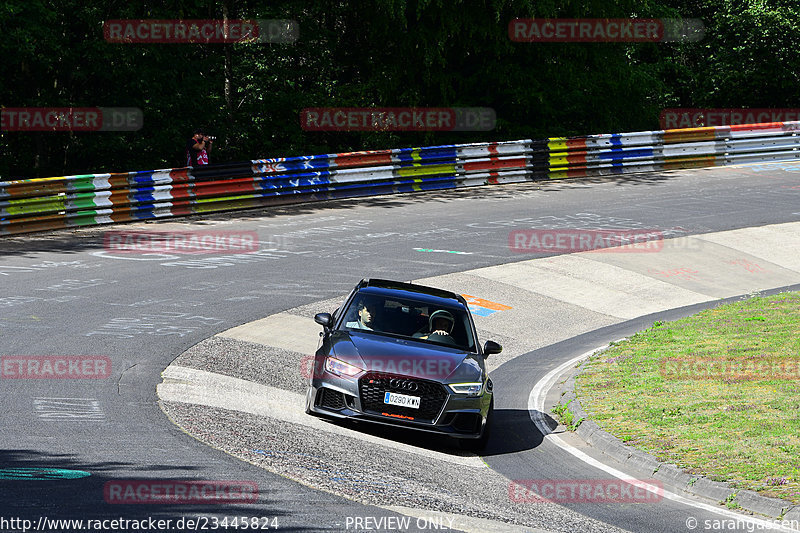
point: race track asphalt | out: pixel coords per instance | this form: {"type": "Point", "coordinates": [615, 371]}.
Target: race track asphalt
{"type": "Point", "coordinates": [63, 294]}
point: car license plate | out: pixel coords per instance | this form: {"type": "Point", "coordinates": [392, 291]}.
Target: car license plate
{"type": "Point", "coordinates": [401, 400]}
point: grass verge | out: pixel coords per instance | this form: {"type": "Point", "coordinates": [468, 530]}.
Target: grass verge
{"type": "Point", "coordinates": [717, 393]}
{"type": "Point", "coordinates": [565, 416]}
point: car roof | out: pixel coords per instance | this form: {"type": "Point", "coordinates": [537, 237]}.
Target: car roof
{"type": "Point", "coordinates": [400, 289]}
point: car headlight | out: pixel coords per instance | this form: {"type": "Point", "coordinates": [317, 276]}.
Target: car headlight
{"type": "Point", "coordinates": [470, 389]}
{"type": "Point", "coordinates": [340, 368]}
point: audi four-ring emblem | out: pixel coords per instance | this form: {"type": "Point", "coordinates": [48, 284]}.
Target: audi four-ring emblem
{"type": "Point", "coordinates": [403, 384]}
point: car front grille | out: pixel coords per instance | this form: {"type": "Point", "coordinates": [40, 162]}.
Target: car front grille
{"type": "Point", "coordinates": [374, 385]}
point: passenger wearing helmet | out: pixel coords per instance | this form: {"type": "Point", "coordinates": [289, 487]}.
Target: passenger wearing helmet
{"type": "Point", "coordinates": [440, 325]}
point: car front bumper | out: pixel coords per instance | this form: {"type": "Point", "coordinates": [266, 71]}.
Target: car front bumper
{"type": "Point", "coordinates": [458, 416]}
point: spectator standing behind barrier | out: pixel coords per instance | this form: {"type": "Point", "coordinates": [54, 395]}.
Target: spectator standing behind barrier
{"type": "Point", "coordinates": [197, 149]}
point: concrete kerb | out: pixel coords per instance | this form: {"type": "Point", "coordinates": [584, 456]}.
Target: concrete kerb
{"type": "Point", "coordinates": [774, 507]}
{"type": "Point", "coordinates": [669, 474]}
{"type": "Point", "coordinates": [672, 475]}
{"type": "Point", "coordinates": [793, 514]}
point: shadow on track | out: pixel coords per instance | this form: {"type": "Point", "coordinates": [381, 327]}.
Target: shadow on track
{"type": "Point", "coordinates": [512, 431]}
{"type": "Point", "coordinates": [55, 496]}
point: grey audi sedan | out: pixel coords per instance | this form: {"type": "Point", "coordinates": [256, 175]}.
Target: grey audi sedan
{"type": "Point", "coordinates": [404, 355]}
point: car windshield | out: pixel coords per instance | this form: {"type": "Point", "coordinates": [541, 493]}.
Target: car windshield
{"type": "Point", "coordinates": [422, 321]}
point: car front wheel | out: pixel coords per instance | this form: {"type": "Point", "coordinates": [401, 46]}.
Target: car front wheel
{"type": "Point", "coordinates": [478, 445]}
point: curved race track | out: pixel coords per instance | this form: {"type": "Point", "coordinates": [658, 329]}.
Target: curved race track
{"type": "Point", "coordinates": [64, 295]}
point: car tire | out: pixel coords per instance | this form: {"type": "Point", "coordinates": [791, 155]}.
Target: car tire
{"type": "Point", "coordinates": [478, 445]}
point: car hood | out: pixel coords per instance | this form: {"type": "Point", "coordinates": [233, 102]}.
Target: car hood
{"type": "Point", "coordinates": [407, 357]}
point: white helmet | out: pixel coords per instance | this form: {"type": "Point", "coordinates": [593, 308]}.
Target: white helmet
{"type": "Point", "coordinates": [441, 313]}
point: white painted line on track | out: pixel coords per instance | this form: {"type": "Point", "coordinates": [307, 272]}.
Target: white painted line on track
{"type": "Point", "coordinates": [536, 401]}
{"type": "Point", "coordinates": [281, 330]}
{"type": "Point", "coordinates": [188, 385]}
{"type": "Point", "coordinates": [136, 257]}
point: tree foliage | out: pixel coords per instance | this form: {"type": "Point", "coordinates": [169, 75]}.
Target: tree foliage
{"type": "Point", "coordinates": [382, 53]}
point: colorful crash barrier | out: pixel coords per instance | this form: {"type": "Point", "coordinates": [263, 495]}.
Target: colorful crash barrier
{"type": "Point", "coordinates": [89, 199]}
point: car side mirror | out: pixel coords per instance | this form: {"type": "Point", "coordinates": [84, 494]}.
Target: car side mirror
{"type": "Point", "coordinates": [490, 348]}
{"type": "Point", "coordinates": [323, 319]}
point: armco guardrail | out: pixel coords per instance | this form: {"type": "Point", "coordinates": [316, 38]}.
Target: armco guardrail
{"type": "Point", "coordinates": [72, 201]}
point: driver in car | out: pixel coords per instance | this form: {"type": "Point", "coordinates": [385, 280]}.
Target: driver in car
{"type": "Point", "coordinates": [441, 324]}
